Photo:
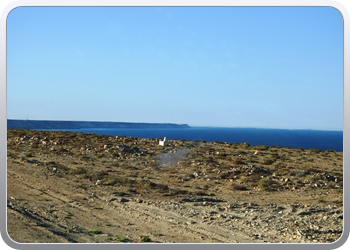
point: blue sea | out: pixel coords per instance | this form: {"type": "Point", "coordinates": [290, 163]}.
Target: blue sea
{"type": "Point", "coordinates": [306, 139]}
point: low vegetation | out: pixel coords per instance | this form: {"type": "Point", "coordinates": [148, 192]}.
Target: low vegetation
{"type": "Point", "coordinates": [145, 239]}
{"type": "Point", "coordinates": [95, 232]}
{"type": "Point", "coordinates": [122, 239]}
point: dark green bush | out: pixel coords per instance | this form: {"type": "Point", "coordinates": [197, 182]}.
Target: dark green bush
{"type": "Point", "coordinates": [95, 232]}
{"type": "Point", "coordinates": [145, 239]}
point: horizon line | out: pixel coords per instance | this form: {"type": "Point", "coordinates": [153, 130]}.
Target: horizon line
{"type": "Point", "coordinates": [270, 128]}
{"type": "Point", "coordinates": [198, 126]}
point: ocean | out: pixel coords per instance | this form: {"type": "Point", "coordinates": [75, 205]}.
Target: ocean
{"type": "Point", "coordinates": [306, 139]}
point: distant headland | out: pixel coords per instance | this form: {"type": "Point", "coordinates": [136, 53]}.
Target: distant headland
{"type": "Point", "coordinates": [43, 124]}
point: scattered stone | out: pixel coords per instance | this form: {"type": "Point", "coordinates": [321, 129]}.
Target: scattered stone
{"type": "Point", "coordinates": [99, 182]}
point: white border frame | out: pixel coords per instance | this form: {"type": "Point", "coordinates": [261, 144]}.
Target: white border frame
{"type": "Point", "coordinates": [169, 3]}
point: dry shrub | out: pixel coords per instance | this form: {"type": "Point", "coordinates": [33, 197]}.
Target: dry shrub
{"type": "Point", "coordinates": [245, 145]}
{"type": "Point", "coordinates": [79, 170]}
{"type": "Point", "coordinates": [275, 186]}
{"type": "Point", "coordinates": [312, 170]}
{"type": "Point", "coordinates": [60, 150]}
{"type": "Point", "coordinates": [84, 158]}
{"type": "Point", "coordinates": [101, 173]}
{"type": "Point", "coordinates": [312, 178]}
{"type": "Point", "coordinates": [151, 185]}
{"type": "Point", "coordinates": [112, 180]}
{"type": "Point", "coordinates": [115, 154]}
{"type": "Point", "coordinates": [315, 151]}
{"type": "Point", "coordinates": [200, 193]}
{"type": "Point", "coordinates": [268, 161]}
{"type": "Point", "coordinates": [163, 187]}
{"type": "Point", "coordinates": [265, 184]}
{"type": "Point", "coordinates": [263, 147]}
{"type": "Point", "coordinates": [181, 191]}
{"type": "Point", "coordinates": [245, 179]}
{"type": "Point", "coordinates": [282, 172]}
{"type": "Point", "coordinates": [238, 162]}
{"type": "Point", "coordinates": [255, 177]}
{"type": "Point", "coordinates": [225, 175]}
{"type": "Point", "coordinates": [61, 168]}
{"type": "Point", "coordinates": [241, 152]}
{"type": "Point", "coordinates": [100, 156]}
{"type": "Point", "coordinates": [236, 186]}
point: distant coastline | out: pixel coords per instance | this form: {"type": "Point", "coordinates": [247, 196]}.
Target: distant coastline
{"type": "Point", "coordinates": [45, 124]}
{"type": "Point", "coordinates": [272, 128]}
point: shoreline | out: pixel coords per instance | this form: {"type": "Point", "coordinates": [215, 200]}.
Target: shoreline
{"type": "Point", "coordinates": [295, 139]}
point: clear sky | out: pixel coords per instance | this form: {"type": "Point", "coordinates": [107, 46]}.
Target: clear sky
{"type": "Point", "coordinates": [265, 67]}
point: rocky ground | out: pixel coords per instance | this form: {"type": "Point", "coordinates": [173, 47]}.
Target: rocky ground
{"type": "Point", "coordinates": [75, 187]}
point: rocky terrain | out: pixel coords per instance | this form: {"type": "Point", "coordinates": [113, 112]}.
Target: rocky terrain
{"type": "Point", "coordinates": [74, 187]}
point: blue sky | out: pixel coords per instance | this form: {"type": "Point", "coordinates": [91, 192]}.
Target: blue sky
{"type": "Point", "coordinates": [267, 67]}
